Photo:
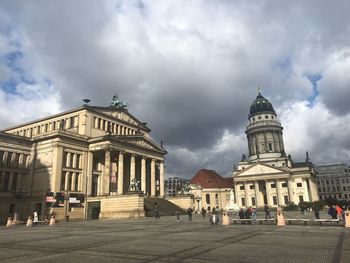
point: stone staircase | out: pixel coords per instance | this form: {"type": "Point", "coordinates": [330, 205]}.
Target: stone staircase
{"type": "Point", "coordinates": [165, 207]}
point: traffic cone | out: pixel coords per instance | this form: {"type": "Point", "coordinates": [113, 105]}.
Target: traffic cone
{"type": "Point", "coordinates": [29, 221]}
{"type": "Point", "coordinates": [9, 222]}
{"type": "Point", "coordinates": [225, 219]}
{"type": "Point", "coordinates": [347, 218]}
{"type": "Point", "coordinates": [280, 217]}
{"type": "Point", "coordinates": [52, 221]}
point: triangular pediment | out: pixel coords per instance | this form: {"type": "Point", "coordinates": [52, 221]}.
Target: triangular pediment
{"type": "Point", "coordinates": [260, 169]}
{"type": "Point", "coordinates": [118, 114]}
{"type": "Point", "coordinates": [143, 142]}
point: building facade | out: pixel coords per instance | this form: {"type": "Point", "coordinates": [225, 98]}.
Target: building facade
{"type": "Point", "coordinates": [268, 175]}
{"type": "Point", "coordinates": [210, 190]}
{"type": "Point", "coordinates": [103, 155]}
{"type": "Point", "coordinates": [174, 185]}
{"type": "Point", "coordinates": [333, 181]}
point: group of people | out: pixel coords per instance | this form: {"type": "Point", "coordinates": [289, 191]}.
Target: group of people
{"type": "Point", "coordinates": [336, 212]}
{"type": "Point", "coordinates": [249, 213]}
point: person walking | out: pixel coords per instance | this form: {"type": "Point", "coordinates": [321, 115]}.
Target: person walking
{"type": "Point", "coordinates": [203, 211]}
{"type": "Point", "coordinates": [156, 211]}
{"type": "Point", "coordinates": [253, 216]}
{"type": "Point", "coordinates": [267, 211]}
{"type": "Point", "coordinates": [317, 211]}
{"type": "Point", "coordinates": [189, 212]}
{"type": "Point", "coordinates": [35, 218]}
{"type": "Point", "coordinates": [177, 212]}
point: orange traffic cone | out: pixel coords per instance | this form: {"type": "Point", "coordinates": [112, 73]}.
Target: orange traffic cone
{"type": "Point", "coordinates": [52, 221]}
{"type": "Point", "coordinates": [280, 217]}
{"type": "Point", "coordinates": [29, 221]}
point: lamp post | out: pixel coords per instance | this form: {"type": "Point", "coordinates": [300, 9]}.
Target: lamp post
{"type": "Point", "coordinates": [198, 199]}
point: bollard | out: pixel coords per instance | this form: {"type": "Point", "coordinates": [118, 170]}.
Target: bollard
{"type": "Point", "coordinates": [347, 218]}
{"type": "Point", "coordinates": [29, 221]}
{"type": "Point", "coordinates": [52, 221]}
{"type": "Point", "coordinates": [9, 222]}
{"type": "Point", "coordinates": [225, 219]}
{"type": "Point", "coordinates": [280, 217]}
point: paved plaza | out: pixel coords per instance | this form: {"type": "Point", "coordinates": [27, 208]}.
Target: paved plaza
{"type": "Point", "coordinates": [165, 240]}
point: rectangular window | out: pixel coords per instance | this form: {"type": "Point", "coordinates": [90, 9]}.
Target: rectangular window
{"type": "Point", "coordinates": [286, 199]}
{"type": "Point", "coordinates": [299, 185]}
{"type": "Point", "coordinates": [273, 185]}
{"type": "Point", "coordinates": [284, 185]}
{"type": "Point", "coordinates": [243, 201]}
{"type": "Point", "coordinates": [270, 146]}
{"type": "Point", "coordinates": [207, 198]}
{"type": "Point", "coordinates": [251, 186]}
{"type": "Point", "coordinates": [253, 201]}
{"type": "Point", "coordinates": [241, 187]}
{"type": "Point", "coordinates": [274, 199]}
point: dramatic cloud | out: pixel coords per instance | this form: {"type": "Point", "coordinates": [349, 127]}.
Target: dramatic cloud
{"type": "Point", "coordinates": [190, 69]}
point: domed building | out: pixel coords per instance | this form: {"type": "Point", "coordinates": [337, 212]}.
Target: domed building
{"type": "Point", "coordinates": [268, 175]}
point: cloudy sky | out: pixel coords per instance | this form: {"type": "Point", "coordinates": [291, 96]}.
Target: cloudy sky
{"type": "Point", "coordinates": [190, 69]}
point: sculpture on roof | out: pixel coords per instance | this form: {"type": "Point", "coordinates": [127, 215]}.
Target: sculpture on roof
{"type": "Point", "coordinates": [117, 103]}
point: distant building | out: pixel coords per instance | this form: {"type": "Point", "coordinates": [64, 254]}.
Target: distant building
{"type": "Point", "coordinates": [268, 175]}
{"type": "Point", "coordinates": [210, 190]}
{"type": "Point", "coordinates": [173, 185]}
{"type": "Point", "coordinates": [333, 180]}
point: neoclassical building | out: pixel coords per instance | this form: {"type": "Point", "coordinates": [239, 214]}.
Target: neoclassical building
{"type": "Point", "coordinates": [101, 160]}
{"type": "Point", "coordinates": [268, 175]}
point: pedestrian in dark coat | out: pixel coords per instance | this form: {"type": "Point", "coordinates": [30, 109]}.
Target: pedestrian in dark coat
{"type": "Point", "coordinates": [189, 212]}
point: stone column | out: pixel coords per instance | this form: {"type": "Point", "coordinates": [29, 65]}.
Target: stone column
{"type": "Point", "coordinates": [161, 179]}
{"type": "Point", "coordinates": [106, 172]}
{"type": "Point", "coordinates": [143, 175]}
{"type": "Point", "coordinates": [153, 177]}
{"type": "Point", "coordinates": [265, 141]}
{"type": "Point", "coordinates": [87, 179]}
{"type": "Point", "coordinates": [56, 169]}
{"type": "Point", "coordinates": [11, 181]}
{"type": "Point", "coordinates": [66, 181]}
{"type": "Point", "coordinates": [72, 187]}
{"type": "Point", "coordinates": [290, 192]}
{"type": "Point", "coordinates": [268, 197]}
{"type": "Point", "coordinates": [246, 192]}
{"type": "Point", "coordinates": [313, 190]}
{"type": "Point", "coordinates": [120, 174]}
{"type": "Point", "coordinates": [238, 202]}
{"type": "Point", "coordinates": [19, 181]}
{"type": "Point", "coordinates": [132, 167]}
{"type": "Point", "coordinates": [257, 194]}
{"type": "Point", "coordinates": [278, 192]}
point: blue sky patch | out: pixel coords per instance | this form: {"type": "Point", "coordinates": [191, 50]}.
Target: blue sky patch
{"type": "Point", "coordinates": [313, 78]}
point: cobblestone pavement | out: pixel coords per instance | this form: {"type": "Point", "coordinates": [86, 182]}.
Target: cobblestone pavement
{"type": "Point", "coordinates": [165, 240]}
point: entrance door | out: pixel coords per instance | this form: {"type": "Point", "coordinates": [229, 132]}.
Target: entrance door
{"type": "Point", "coordinates": [94, 210]}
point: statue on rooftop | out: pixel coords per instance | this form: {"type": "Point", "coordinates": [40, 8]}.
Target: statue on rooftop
{"type": "Point", "coordinates": [117, 103]}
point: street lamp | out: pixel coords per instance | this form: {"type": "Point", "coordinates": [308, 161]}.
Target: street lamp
{"type": "Point", "coordinates": [198, 199]}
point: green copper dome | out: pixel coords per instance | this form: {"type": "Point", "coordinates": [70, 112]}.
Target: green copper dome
{"type": "Point", "coordinates": [261, 104]}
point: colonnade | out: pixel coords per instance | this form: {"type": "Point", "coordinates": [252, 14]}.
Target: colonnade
{"type": "Point", "coordinates": [276, 195]}
{"type": "Point", "coordinates": [10, 181]}
{"type": "Point", "coordinates": [120, 168]}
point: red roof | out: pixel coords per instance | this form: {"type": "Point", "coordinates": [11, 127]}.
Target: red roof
{"type": "Point", "coordinates": [210, 179]}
